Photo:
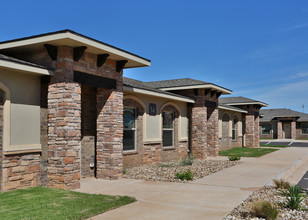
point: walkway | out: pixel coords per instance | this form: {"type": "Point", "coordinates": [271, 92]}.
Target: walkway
{"type": "Point", "coordinates": [211, 197]}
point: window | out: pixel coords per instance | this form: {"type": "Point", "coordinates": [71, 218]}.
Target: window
{"type": "Point", "coordinates": [168, 129]}
{"type": "Point", "coordinates": [304, 127]}
{"type": "Point", "coordinates": [234, 128]}
{"type": "Point", "coordinates": [266, 128]}
{"type": "Point", "coordinates": [129, 128]}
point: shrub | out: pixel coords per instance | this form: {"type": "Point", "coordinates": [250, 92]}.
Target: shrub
{"type": "Point", "coordinates": [234, 158]}
{"type": "Point", "coordinates": [281, 184]}
{"type": "Point", "coordinates": [188, 175]}
{"type": "Point", "coordinates": [294, 197]}
{"type": "Point", "coordinates": [265, 210]}
{"type": "Point", "coordinates": [187, 161]}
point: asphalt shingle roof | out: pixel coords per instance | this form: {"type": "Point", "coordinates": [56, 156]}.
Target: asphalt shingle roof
{"type": "Point", "coordinates": [269, 114]}
{"type": "Point", "coordinates": [232, 107]}
{"type": "Point", "coordinates": [238, 99]}
{"type": "Point", "coordinates": [15, 60]}
{"type": "Point", "coordinates": [139, 84]}
{"type": "Point", "coordinates": [176, 83]}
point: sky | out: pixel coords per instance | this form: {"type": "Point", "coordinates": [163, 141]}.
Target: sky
{"type": "Point", "coordinates": [256, 48]}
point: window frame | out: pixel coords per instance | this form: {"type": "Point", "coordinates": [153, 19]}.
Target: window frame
{"type": "Point", "coordinates": [304, 127]}
{"type": "Point", "coordinates": [131, 129]}
{"type": "Point", "coordinates": [270, 128]}
{"type": "Point", "coordinates": [168, 129]}
{"type": "Point", "coordinates": [234, 128]}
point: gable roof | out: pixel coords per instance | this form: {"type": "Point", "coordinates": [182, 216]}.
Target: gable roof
{"type": "Point", "coordinates": [240, 100]}
{"type": "Point", "coordinates": [270, 114]}
{"type": "Point", "coordinates": [185, 83]}
{"type": "Point", "coordinates": [70, 38]}
{"type": "Point", "coordinates": [141, 87]}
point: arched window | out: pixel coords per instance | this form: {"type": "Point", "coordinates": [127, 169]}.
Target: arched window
{"type": "Point", "coordinates": [234, 127]}
{"type": "Point", "coordinates": [129, 128]}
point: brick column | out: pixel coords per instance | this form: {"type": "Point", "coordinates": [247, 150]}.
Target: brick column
{"type": "Point", "coordinates": [293, 129]}
{"type": "Point", "coordinates": [199, 127]}
{"type": "Point", "coordinates": [64, 108]}
{"type": "Point", "coordinates": [279, 130]}
{"type": "Point", "coordinates": [109, 156]}
{"type": "Point", "coordinates": [212, 131]}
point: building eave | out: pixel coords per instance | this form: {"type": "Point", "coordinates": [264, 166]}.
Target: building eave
{"type": "Point", "coordinates": [156, 94]}
{"type": "Point", "coordinates": [73, 39]}
{"type": "Point", "coordinates": [4, 64]}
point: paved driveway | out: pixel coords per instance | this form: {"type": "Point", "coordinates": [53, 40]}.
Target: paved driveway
{"type": "Point", "coordinates": [211, 197]}
{"type": "Point", "coordinates": [293, 143]}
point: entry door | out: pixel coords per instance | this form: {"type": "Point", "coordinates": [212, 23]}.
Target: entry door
{"type": "Point", "coordinates": [287, 130]}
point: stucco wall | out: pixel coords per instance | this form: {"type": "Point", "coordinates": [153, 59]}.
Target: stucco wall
{"type": "Point", "coordinates": [24, 109]}
{"type": "Point", "coordinates": [153, 123]}
{"type": "Point", "coordinates": [225, 130]}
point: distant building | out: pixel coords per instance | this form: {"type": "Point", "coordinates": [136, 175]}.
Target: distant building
{"type": "Point", "coordinates": [283, 124]}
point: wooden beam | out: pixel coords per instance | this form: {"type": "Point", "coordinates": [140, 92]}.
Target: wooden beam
{"type": "Point", "coordinates": [78, 52]}
{"type": "Point", "coordinates": [95, 81]}
{"type": "Point", "coordinates": [101, 59]}
{"type": "Point", "coordinates": [52, 51]}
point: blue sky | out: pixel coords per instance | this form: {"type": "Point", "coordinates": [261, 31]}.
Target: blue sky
{"type": "Point", "coordinates": [257, 48]}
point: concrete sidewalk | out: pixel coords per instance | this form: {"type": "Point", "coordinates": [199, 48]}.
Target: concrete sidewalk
{"type": "Point", "coordinates": [211, 197]}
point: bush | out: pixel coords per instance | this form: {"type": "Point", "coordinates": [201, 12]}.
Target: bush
{"type": "Point", "coordinates": [234, 158]}
{"type": "Point", "coordinates": [188, 175]}
{"type": "Point", "coordinates": [294, 197]}
{"type": "Point", "coordinates": [187, 161]}
{"type": "Point", "coordinates": [281, 184]}
{"type": "Point", "coordinates": [265, 210]}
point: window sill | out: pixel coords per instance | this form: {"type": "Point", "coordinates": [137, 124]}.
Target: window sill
{"type": "Point", "coordinates": [129, 152]}
{"type": "Point", "coordinates": [168, 148]}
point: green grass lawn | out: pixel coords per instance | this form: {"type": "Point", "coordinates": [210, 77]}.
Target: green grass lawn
{"type": "Point", "coordinates": [246, 152]}
{"type": "Point", "coordinates": [304, 139]}
{"type": "Point", "coordinates": [280, 146]}
{"type": "Point", "coordinates": [45, 203]}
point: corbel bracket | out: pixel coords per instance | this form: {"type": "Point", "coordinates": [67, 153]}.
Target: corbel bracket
{"type": "Point", "coordinates": [78, 52]}
{"type": "Point", "coordinates": [101, 59]}
{"type": "Point", "coordinates": [218, 94]}
{"type": "Point", "coordinates": [121, 65]}
{"type": "Point", "coordinates": [196, 92]}
{"type": "Point", "coordinates": [52, 51]}
{"type": "Point", "coordinates": [213, 93]}
{"type": "Point", "coordinates": [206, 91]}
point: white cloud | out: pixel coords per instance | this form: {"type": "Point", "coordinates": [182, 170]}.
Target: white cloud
{"type": "Point", "coordinates": [298, 26]}
{"type": "Point", "coordinates": [299, 75]}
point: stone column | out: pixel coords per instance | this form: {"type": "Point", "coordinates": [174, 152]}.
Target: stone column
{"type": "Point", "coordinates": [279, 130]}
{"type": "Point", "coordinates": [109, 157]}
{"type": "Point", "coordinates": [293, 129]}
{"type": "Point", "coordinates": [249, 130]}
{"type": "Point", "coordinates": [257, 131]}
{"type": "Point", "coordinates": [212, 131]}
{"type": "Point", "coordinates": [199, 127]}
{"type": "Point", "coordinates": [64, 110]}
{"type": "Point", "coordinates": [2, 95]}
